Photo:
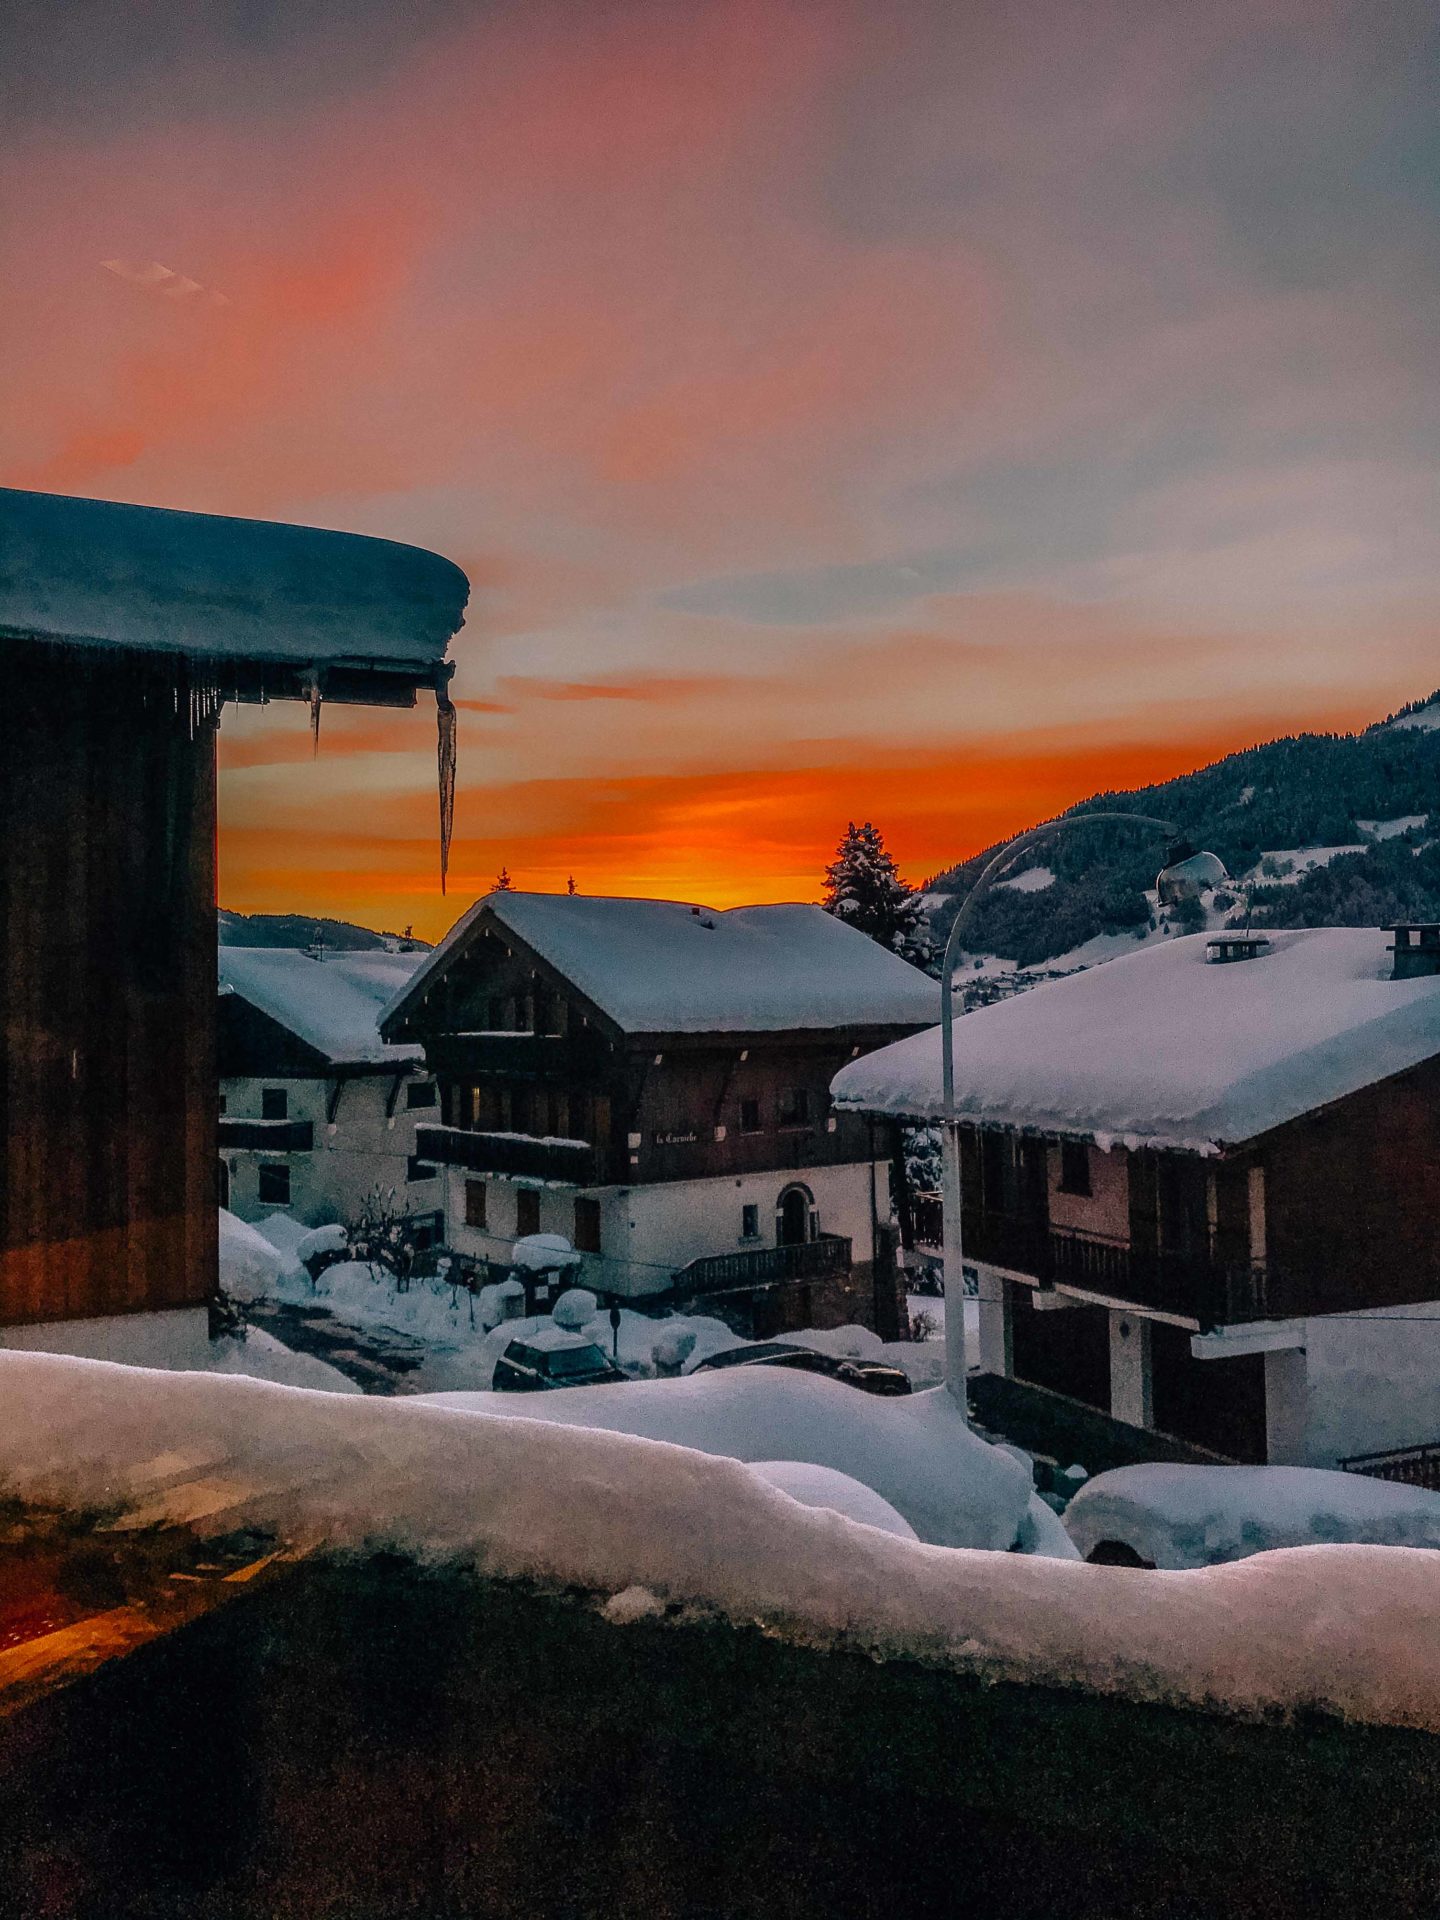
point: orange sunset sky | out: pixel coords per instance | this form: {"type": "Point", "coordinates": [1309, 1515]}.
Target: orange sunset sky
{"type": "Point", "coordinates": [930, 412]}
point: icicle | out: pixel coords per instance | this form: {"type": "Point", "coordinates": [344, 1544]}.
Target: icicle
{"type": "Point", "coordinates": [315, 698]}
{"type": "Point", "coordinates": [445, 758]}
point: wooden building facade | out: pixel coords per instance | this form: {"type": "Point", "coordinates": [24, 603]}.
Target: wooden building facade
{"type": "Point", "coordinates": [123, 630]}
{"type": "Point", "coordinates": [699, 1161]}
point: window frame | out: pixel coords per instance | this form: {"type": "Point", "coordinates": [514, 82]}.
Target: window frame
{"type": "Point", "coordinates": [278, 1172]}
{"type": "Point", "coordinates": [1081, 1184]}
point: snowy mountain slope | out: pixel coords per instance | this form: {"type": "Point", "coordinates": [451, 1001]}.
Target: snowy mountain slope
{"type": "Point", "coordinates": [1352, 819]}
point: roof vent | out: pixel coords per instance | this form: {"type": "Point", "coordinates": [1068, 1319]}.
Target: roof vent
{"type": "Point", "coordinates": [1416, 949]}
{"type": "Point", "coordinates": [1224, 949]}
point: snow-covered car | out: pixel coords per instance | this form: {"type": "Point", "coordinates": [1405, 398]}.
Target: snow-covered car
{"type": "Point", "coordinates": [552, 1357]}
{"type": "Point", "coordinates": [871, 1376]}
{"type": "Point", "coordinates": [1177, 1517]}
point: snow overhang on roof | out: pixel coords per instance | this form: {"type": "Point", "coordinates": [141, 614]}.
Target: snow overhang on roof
{"type": "Point", "coordinates": [1158, 1049]}
{"type": "Point", "coordinates": [278, 609]}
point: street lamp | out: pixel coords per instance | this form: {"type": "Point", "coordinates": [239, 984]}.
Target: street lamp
{"type": "Point", "coordinates": [1184, 866]}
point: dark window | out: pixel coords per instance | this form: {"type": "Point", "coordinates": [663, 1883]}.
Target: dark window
{"type": "Point", "coordinates": [527, 1211]}
{"type": "Point", "coordinates": [750, 1223]}
{"type": "Point", "coordinates": [222, 1103]}
{"type": "Point", "coordinates": [417, 1169]}
{"type": "Point", "coordinates": [1074, 1167]}
{"type": "Point", "coordinates": [795, 1107]}
{"type": "Point", "coordinates": [274, 1185]}
{"type": "Point", "coordinates": [419, 1093]}
{"type": "Point", "coordinates": [475, 1192]}
{"type": "Point", "coordinates": [587, 1225]}
{"type": "Point", "coordinates": [274, 1103]}
{"type": "Point", "coordinates": [749, 1116]}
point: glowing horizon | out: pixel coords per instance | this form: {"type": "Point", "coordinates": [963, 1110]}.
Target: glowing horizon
{"type": "Point", "coordinates": [932, 418]}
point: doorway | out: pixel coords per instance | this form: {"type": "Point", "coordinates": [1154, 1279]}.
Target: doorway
{"type": "Point", "coordinates": [792, 1217]}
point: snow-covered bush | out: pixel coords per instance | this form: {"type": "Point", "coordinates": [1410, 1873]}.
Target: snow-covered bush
{"type": "Point", "coordinates": [574, 1309]}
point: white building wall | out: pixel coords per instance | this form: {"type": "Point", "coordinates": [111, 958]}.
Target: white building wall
{"type": "Point", "coordinates": [177, 1338]}
{"type": "Point", "coordinates": [360, 1150]}
{"type": "Point", "coordinates": [1372, 1381]}
{"type": "Point", "coordinates": [648, 1232]}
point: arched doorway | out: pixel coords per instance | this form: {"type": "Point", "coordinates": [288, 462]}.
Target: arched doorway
{"type": "Point", "coordinates": [793, 1217]}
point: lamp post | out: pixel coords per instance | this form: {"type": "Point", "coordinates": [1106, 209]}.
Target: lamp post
{"type": "Point", "coordinates": [955, 1357]}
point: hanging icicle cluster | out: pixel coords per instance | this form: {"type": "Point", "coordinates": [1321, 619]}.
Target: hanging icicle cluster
{"type": "Point", "coordinates": [445, 759]}
{"type": "Point", "coordinates": [314, 695]}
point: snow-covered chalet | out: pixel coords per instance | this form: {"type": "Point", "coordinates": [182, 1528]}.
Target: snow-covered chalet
{"type": "Point", "coordinates": [317, 1112]}
{"type": "Point", "coordinates": [650, 1078]}
{"type": "Point", "coordinates": [123, 632]}
{"type": "Point", "coordinates": [1201, 1186]}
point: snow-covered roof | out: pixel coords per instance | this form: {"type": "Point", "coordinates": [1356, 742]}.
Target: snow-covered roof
{"type": "Point", "coordinates": [333, 1003]}
{"type": "Point", "coordinates": [1160, 1048]}
{"type": "Point", "coordinates": [668, 966]}
{"type": "Point", "coordinates": [94, 573]}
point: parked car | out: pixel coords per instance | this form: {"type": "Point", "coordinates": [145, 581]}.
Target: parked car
{"type": "Point", "coordinates": [552, 1358]}
{"type": "Point", "coordinates": [871, 1376]}
{"type": "Point", "coordinates": [1176, 1517]}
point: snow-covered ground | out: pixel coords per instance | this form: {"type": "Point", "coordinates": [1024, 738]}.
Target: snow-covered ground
{"type": "Point", "coordinates": [1392, 829]}
{"type": "Point", "coordinates": [1199, 1516]}
{"type": "Point", "coordinates": [1347, 1630]}
{"type": "Point", "coordinates": [1295, 862]}
{"type": "Point", "coordinates": [953, 1488]}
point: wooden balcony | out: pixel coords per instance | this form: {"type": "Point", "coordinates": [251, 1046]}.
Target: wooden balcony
{"type": "Point", "coordinates": [267, 1136]}
{"type": "Point", "coordinates": [1200, 1285]}
{"type": "Point", "coordinates": [814, 1259]}
{"type": "Point", "coordinates": [569, 1163]}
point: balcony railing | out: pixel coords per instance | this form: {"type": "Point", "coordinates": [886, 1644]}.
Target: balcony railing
{"type": "Point", "coordinates": [1196, 1284]}
{"type": "Point", "coordinates": [1412, 1466]}
{"type": "Point", "coordinates": [267, 1136]}
{"type": "Point", "coordinates": [830, 1253]}
{"type": "Point", "coordinates": [570, 1163]}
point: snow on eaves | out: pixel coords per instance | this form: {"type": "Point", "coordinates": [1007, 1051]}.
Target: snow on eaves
{"type": "Point", "coordinates": [332, 1003]}
{"type": "Point", "coordinates": [1345, 1630]}
{"type": "Point", "coordinates": [667, 966]}
{"type": "Point", "coordinates": [1159, 1048]}
{"type": "Point", "coordinates": [94, 573]}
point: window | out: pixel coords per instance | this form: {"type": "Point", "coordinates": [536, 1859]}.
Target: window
{"type": "Point", "coordinates": [417, 1169]}
{"type": "Point", "coordinates": [274, 1103]}
{"type": "Point", "coordinates": [749, 1116]}
{"type": "Point", "coordinates": [750, 1223]}
{"type": "Point", "coordinates": [475, 1192]}
{"type": "Point", "coordinates": [222, 1103]}
{"type": "Point", "coordinates": [527, 1212]}
{"type": "Point", "coordinates": [274, 1185]}
{"type": "Point", "coordinates": [419, 1093]}
{"type": "Point", "coordinates": [587, 1225]}
{"type": "Point", "coordinates": [795, 1107]}
{"type": "Point", "coordinates": [1074, 1167]}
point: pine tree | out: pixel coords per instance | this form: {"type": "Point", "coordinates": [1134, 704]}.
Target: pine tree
{"type": "Point", "coordinates": [503, 882]}
{"type": "Point", "coordinates": [863, 885]}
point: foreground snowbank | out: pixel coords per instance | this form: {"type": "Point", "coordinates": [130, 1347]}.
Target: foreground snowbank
{"type": "Point", "coordinates": [1200, 1516]}
{"type": "Point", "coordinates": [916, 1452]}
{"type": "Point", "coordinates": [1344, 1629]}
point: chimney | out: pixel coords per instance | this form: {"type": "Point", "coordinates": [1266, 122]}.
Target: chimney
{"type": "Point", "coordinates": [1224, 949]}
{"type": "Point", "coordinates": [1416, 948]}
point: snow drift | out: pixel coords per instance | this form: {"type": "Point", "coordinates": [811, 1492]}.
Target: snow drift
{"type": "Point", "coordinates": [1344, 1629]}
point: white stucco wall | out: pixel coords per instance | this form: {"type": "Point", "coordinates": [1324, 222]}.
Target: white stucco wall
{"type": "Point", "coordinates": [359, 1151]}
{"type": "Point", "coordinates": [178, 1338]}
{"type": "Point", "coordinates": [648, 1232]}
{"type": "Point", "coordinates": [1372, 1382]}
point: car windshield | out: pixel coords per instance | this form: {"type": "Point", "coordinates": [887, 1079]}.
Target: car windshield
{"type": "Point", "coordinates": [564, 1360]}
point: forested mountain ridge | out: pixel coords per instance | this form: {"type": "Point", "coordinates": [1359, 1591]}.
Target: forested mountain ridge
{"type": "Point", "coordinates": [1377, 792]}
{"type": "Point", "coordinates": [300, 930]}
